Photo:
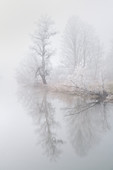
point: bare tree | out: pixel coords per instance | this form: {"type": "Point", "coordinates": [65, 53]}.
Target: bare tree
{"type": "Point", "coordinates": [108, 64]}
{"type": "Point", "coordinates": [42, 49]}
{"type": "Point", "coordinates": [81, 47]}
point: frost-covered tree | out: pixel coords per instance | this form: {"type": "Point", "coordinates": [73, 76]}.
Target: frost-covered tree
{"type": "Point", "coordinates": [81, 48]}
{"type": "Point", "coordinates": [109, 63]}
{"type": "Point", "coordinates": [42, 48]}
{"type": "Point", "coordinates": [80, 43]}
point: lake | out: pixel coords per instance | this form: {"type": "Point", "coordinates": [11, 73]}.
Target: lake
{"type": "Point", "coordinates": [50, 131]}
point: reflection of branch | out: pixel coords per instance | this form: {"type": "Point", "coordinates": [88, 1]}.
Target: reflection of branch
{"type": "Point", "coordinates": [85, 129]}
{"type": "Point", "coordinates": [43, 112]}
{"type": "Point", "coordinates": [86, 108]}
{"type": "Point", "coordinates": [105, 122]}
{"type": "Point", "coordinates": [49, 139]}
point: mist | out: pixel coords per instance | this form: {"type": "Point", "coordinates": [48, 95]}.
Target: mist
{"type": "Point", "coordinates": [56, 89]}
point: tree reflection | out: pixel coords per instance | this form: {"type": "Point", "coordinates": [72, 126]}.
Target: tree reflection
{"type": "Point", "coordinates": [86, 122]}
{"type": "Point", "coordinates": [43, 113]}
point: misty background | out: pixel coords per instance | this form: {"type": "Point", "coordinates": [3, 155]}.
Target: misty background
{"type": "Point", "coordinates": [18, 18]}
{"type": "Point", "coordinates": [40, 123]}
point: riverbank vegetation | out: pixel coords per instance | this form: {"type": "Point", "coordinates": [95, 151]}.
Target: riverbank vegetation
{"type": "Point", "coordinates": [83, 67]}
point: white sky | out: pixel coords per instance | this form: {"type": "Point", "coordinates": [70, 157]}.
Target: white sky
{"type": "Point", "coordinates": [17, 19]}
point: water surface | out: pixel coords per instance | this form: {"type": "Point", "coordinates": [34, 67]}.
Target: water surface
{"type": "Point", "coordinates": [42, 130]}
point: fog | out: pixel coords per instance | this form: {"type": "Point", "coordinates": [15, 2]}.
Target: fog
{"type": "Point", "coordinates": [17, 20]}
{"type": "Point", "coordinates": [56, 84]}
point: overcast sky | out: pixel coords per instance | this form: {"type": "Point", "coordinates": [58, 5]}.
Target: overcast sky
{"type": "Point", "coordinates": [17, 18]}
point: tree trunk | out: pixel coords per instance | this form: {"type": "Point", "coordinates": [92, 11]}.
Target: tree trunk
{"type": "Point", "coordinates": [44, 80]}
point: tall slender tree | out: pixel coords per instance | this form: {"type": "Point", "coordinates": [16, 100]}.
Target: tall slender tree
{"type": "Point", "coordinates": [42, 46]}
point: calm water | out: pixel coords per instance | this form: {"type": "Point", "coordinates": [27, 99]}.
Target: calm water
{"type": "Point", "coordinates": [45, 131]}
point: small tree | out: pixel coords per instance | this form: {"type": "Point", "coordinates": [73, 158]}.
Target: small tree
{"type": "Point", "coordinates": [42, 47]}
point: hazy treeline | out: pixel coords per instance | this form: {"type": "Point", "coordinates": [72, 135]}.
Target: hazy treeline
{"type": "Point", "coordinates": [82, 58]}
